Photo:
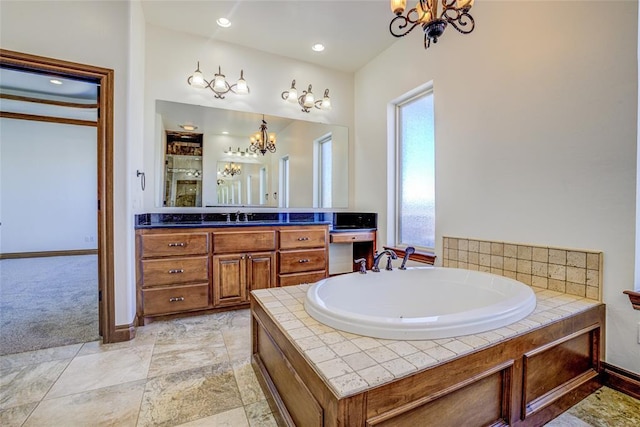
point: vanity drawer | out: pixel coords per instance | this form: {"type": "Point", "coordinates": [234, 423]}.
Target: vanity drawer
{"type": "Point", "coordinates": [174, 244]}
{"type": "Point", "coordinates": [247, 241]}
{"type": "Point", "coordinates": [299, 261]}
{"type": "Point", "coordinates": [175, 299]}
{"type": "Point", "coordinates": [157, 272]}
{"type": "Point", "coordinates": [300, 278]}
{"type": "Point", "coordinates": [303, 238]}
{"type": "Point", "coordinates": [353, 236]}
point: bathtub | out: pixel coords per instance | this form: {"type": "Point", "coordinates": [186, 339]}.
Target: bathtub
{"type": "Point", "coordinates": [419, 303]}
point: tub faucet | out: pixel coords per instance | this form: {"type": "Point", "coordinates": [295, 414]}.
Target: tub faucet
{"type": "Point", "coordinates": [376, 260]}
{"type": "Point", "coordinates": [363, 265]}
{"type": "Point", "coordinates": [407, 253]}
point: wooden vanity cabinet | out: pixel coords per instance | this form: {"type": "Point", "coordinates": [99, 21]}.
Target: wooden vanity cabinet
{"type": "Point", "coordinates": [239, 268]}
{"type": "Point", "coordinates": [303, 255]}
{"type": "Point", "coordinates": [172, 273]}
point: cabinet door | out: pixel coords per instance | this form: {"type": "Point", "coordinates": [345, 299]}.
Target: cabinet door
{"type": "Point", "coordinates": [261, 271]}
{"type": "Point", "coordinates": [229, 279]}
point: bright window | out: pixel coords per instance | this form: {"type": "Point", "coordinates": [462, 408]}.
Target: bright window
{"type": "Point", "coordinates": [322, 168]}
{"type": "Point", "coordinates": [415, 171]}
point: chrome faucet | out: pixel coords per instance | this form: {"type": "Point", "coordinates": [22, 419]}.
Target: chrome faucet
{"type": "Point", "coordinates": [237, 216]}
{"type": "Point", "coordinates": [363, 265]}
{"type": "Point", "coordinates": [407, 253]}
{"type": "Point", "coordinates": [391, 255]}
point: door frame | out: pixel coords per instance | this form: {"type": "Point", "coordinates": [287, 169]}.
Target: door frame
{"type": "Point", "coordinates": [104, 77]}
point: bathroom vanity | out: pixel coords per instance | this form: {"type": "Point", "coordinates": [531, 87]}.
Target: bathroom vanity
{"type": "Point", "coordinates": [191, 264]}
{"type": "Point", "coordinates": [524, 374]}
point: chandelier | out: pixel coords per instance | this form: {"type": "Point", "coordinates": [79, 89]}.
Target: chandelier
{"type": "Point", "coordinates": [219, 84]}
{"type": "Point", "coordinates": [231, 169]}
{"type": "Point", "coordinates": [307, 100]}
{"type": "Point", "coordinates": [454, 12]}
{"type": "Point", "coordinates": [263, 141]}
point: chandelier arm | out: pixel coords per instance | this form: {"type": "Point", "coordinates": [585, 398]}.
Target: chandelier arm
{"type": "Point", "coordinates": [462, 21]}
{"type": "Point", "coordinates": [401, 23]}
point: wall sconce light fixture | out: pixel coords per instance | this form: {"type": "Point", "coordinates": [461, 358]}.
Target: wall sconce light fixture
{"type": "Point", "coordinates": [307, 100]}
{"type": "Point", "coordinates": [263, 141]}
{"type": "Point", "coordinates": [219, 85]}
{"type": "Point", "coordinates": [239, 153]}
{"type": "Point", "coordinates": [454, 12]}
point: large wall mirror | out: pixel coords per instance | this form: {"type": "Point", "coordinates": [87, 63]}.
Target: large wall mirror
{"type": "Point", "coordinates": [207, 161]}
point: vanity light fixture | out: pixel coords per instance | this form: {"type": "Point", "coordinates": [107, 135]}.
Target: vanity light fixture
{"type": "Point", "coordinates": [307, 100]}
{"type": "Point", "coordinates": [231, 169]}
{"type": "Point", "coordinates": [188, 127]}
{"type": "Point", "coordinates": [263, 141]}
{"type": "Point", "coordinates": [239, 153]}
{"type": "Point", "coordinates": [425, 14]}
{"type": "Point", "coordinates": [219, 84]}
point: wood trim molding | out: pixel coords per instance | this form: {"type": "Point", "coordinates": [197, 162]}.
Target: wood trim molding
{"type": "Point", "coordinates": [621, 380]}
{"type": "Point", "coordinates": [46, 101]}
{"type": "Point", "coordinates": [124, 333]}
{"type": "Point", "coordinates": [104, 78]}
{"type": "Point", "coordinates": [48, 119]}
{"type": "Point", "coordinates": [14, 255]}
{"type": "Point", "coordinates": [423, 257]}
{"type": "Point", "coordinates": [634, 297]}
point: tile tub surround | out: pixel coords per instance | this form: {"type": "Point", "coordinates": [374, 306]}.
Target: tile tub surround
{"type": "Point", "coordinates": [350, 363]}
{"type": "Point", "coordinates": [571, 271]}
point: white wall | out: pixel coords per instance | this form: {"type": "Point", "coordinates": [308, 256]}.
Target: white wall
{"type": "Point", "coordinates": [94, 33]}
{"type": "Point", "coordinates": [171, 57]}
{"type": "Point", "coordinates": [536, 131]}
{"type": "Point", "coordinates": [48, 177]}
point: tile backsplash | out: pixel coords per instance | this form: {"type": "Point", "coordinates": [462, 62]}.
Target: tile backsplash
{"type": "Point", "coordinates": [571, 271]}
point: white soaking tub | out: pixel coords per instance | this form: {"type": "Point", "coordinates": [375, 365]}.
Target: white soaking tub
{"type": "Point", "coordinates": [419, 303]}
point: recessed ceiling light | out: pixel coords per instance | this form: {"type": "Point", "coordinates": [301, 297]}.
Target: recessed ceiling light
{"type": "Point", "coordinates": [318, 47]}
{"type": "Point", "coordinates": [223, 22]}
{"type": "Point", "coordinates": [55, 82]}
{"type": "Point", "coordinates": [224, 132]}
{"type": "Point", "coordinates": [188, 127]}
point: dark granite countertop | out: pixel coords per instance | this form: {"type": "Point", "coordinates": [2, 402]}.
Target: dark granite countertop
{"type": "Point", "coordinates": [338, 222]}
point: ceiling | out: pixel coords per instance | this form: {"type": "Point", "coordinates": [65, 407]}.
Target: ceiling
{"type": "Point", "coordinates": [354, 32]}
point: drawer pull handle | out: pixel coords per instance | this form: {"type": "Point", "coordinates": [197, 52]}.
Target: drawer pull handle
{"type": "Point", "coordinates": [174, 245]}
{"type": "Point", "coordinates": [301, 239]}
{"type": "Point", "coordinates": [178, 271]}
{"type": "Point", "coordinates": [176, 299]}
{"type": "Point", "coordinates": [303, 260]}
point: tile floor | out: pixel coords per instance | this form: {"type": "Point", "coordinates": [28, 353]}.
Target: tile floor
{"type": "Point", "coordinates": [186, 372]}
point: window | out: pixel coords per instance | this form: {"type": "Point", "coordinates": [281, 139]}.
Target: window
{"type": "Point", "coordinates": [415, 171]}
{"type": "Point", "coordinates": [284, 182]}
{"type": "Point", "coordinates": [322, 169]}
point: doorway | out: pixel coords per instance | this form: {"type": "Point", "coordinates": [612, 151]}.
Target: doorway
{"type": "Point", "coordinates": [104, 79]}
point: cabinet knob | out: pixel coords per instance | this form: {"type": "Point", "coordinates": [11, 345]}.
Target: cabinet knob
{"type": "Point", "coordinates": [176, 299]}
{"type": "Point", "coordinates": [177, 244]}
{"type": "Point", "coordinates": [302, 239]}
{"type": "Point", "coordinates": [176, 271]}
{"type": "Point", "coordinates": [303, 260]}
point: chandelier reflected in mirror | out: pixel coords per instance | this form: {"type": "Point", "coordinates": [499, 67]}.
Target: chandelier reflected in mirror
{"type": "Point", "coordinates": [231, 169]}
{"type": "Point", "coordinates": [433, 22]}
{"type": "Point", "coordinates": [262, 140]}
{"type": "Point", "coordinates": [219, 85]}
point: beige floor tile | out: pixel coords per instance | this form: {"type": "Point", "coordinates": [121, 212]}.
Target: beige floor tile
{"type": "Point", "coordinates": [143, 337]}
{"type": "Point", "coordinates": [189, 395]}
{"type": "Point", "coordinates": [27, 384]}
{"type": "Point", "coordinates": [175, 358]}
{"type": "Point", "coordinates": [567, 420]}
{"type": "Point", "coordinates": [95, 371]}
{"type": "Point", "coordinates": [39, 356]}
{"type": "Point", "coordinates": [238, 343]}
{"type": "Point", "coordinates": [109, 406]}
{"type": "Point", "coordinates": [232, 418]}
{"type": "Point", "coordinates": [607, 407]}
{"type": "Point", "coordinates": [259, 415]}
{"type": "Point", "coordinates": [248, 384]}
{"type": "Point", "coordinates": [16, 416]}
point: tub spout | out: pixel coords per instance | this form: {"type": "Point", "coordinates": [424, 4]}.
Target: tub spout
{"type": "Point", "coordinates": [407, 253]}
{"type": "Point", "coordinates": [376, 260]}
{"type": "Point", "coordinates": [363, 265]}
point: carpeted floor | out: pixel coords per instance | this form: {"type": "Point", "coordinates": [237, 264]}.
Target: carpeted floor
{"type": "Point", "coordinates": [48, 302]}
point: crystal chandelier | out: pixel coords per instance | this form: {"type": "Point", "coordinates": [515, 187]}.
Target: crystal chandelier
{"type": "Point", "coordinates": [218, 85]}
{"type": "Point", "coordinates": [454, 12]}
{"type": "Point", "coordinates": [263, 141]}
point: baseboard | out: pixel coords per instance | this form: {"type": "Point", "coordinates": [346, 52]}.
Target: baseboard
{"type": "Point", "coordinates": [15, 255]}
{"type": "Point", "coordinates": [621, 380]}
{"type": "Point", "coordinates": [124, 333]}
